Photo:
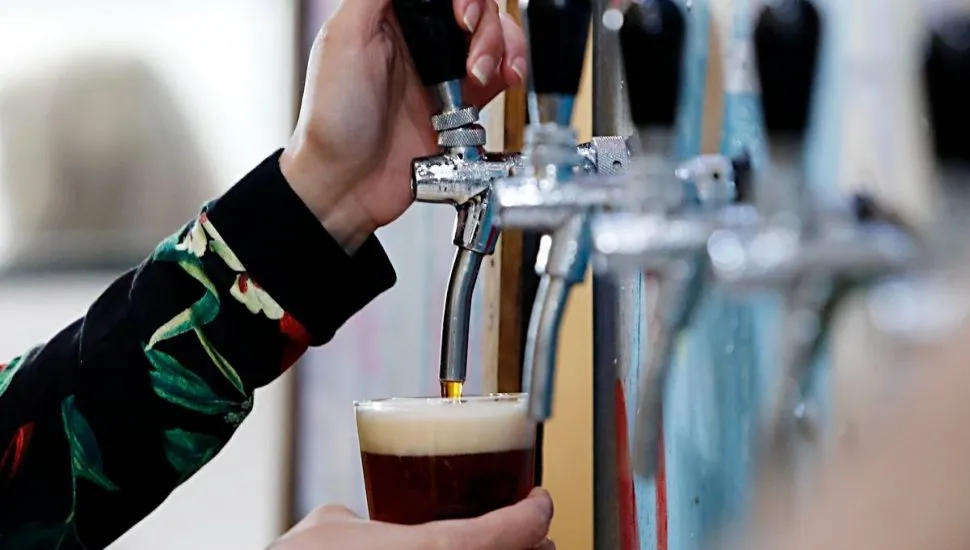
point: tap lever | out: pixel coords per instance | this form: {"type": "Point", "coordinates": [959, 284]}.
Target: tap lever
{"type": "Point", "coordinates": [786, 39]}
{"type": "Point", "coordinates": [558, 31]}
{"type": "Point", "coordinates": [741, 164]}
{"type": "Point", "coordinates": [652, 42]}
{"type": "Point", "coordinates": [946, 72]}
{"type": "Point", "coordinates": [438, 46]}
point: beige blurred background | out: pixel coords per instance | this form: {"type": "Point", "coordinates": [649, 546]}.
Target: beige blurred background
{"type": "Point", "coordinates": [117, 120]}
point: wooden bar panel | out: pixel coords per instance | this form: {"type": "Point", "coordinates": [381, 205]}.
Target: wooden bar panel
{"type": "Point", "coordinates": [511, 321]}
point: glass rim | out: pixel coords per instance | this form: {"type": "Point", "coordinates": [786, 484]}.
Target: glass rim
{"type": "Point", "coordinates": [485, 398]}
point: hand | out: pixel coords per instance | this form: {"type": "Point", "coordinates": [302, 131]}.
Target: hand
{"type": "Point", "coordinates": [365, 114]}
{"type": "Point", "coordinates": [523, 526]}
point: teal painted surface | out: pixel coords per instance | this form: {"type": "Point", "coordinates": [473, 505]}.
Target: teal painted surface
{"type": "Point", "coordinates": [724, 371]}
{"type": "Point", "coordinates": [717, 380]}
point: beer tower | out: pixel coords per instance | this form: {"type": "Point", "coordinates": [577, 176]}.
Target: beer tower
{"type": "Point", "coordinates": [537, 199]}
{"type": "Point", "coordinates": [563, 204]}
{"type": "Point", "coordinates": [667, 241]}
{"type": "Point", "coordinates": [461, 175]}
{"type": "Point", "coordinates": [785, 242]}
{"type": "Point", "coordinates": [929, 304]}
{"type": "Point", "coordinates": [812, 254]}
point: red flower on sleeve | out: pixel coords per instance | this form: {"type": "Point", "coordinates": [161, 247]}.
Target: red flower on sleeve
{"type": "Point", "coordinates": [13, 455]}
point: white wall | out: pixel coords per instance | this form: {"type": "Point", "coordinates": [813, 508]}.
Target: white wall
{"type": "Point", "coordinates": [230, 65]}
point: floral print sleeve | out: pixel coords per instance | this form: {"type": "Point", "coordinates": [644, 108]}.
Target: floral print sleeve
{"type": "Point", "coordinates": [101, 423]}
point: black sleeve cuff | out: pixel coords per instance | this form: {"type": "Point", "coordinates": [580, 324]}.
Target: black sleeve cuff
{"type": "Point", "coordinates": [287, 252]}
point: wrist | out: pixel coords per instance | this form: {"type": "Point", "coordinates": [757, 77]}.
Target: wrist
{"type": "Point", "coordinates": [330, 201]}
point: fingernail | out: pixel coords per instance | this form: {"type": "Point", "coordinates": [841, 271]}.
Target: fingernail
{"type": "Point", "coordinates": [472, 13]}
{"type": "Point", "coordinates": [484, 69]}
{"type": "Point", "coordinates": [518, 67]}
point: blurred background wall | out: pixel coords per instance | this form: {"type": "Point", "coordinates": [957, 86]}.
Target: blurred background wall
{"type": "Point", "coordinates": [117, 119]}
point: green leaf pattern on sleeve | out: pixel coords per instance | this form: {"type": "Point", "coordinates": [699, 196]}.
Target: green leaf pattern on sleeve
{"type": "Point", "coordinates": [85, 465]}
{"type": "Point", "coordinates": [187, 451]}
{"type": "Point", "coordinates": [202, 255]}
{"type": "Point", "coordinates": [85, 454]}
{"type": "Point", "coordinates": [8, 371]}
{"type": "Point", "coordinates": [180, 386]}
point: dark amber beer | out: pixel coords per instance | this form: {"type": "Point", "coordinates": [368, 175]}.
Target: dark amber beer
{"type": "Point", "coordinates": [427, 459]}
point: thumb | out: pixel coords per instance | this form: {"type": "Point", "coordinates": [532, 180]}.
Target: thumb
{"type": "Point", "coordinates": [331, 513]}
{"type": "Point", "coordinates": [519, 527]}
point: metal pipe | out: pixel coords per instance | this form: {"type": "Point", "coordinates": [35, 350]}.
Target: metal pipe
{"type": "Point", "coordinates": [679, 290]}
{"type": "Point", "coordinates": [801, 331]}
{"type": "Point", "coordinates": [541, 342]}
{"type": "Point", "coordinates": [616, 306]}
{"type": "Point", "coordinates": [457, 315]}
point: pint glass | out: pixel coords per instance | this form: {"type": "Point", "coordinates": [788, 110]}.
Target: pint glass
{"type": "Point", "coordinates": [427, 459]}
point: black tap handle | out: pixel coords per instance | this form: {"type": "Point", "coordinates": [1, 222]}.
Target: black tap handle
{"type": "Point", "coordinates": [947, 75]}
{"type": "Point", "coordinates": [786, 40]}
{"type": "Point", "coordinates": [558, 31]}
{"type": "Point", "coordinates": [652, 42]}
{"type": "Point", "coordinates": [438, 45]}
{"type": "Point", "coordinates": [742, 177]}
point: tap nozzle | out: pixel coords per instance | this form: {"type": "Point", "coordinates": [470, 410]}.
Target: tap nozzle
{"type": "Point", "coordinates": [668, 245]}
{"type": "Point", "coordinates": [652, 38]}
{"type": "Point", "coordinates": [545, 197]}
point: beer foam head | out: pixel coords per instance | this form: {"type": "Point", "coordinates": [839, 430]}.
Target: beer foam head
{"type": "Point", "coordinates": [438, 427]}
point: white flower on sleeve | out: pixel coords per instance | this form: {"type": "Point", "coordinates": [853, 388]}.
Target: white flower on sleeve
{"type": "Point", "coordinates": [194, 241]}
{"type": "Point", "coordinates": [220, 247]}
{"type": "Point", "coordinates": [255, 298]}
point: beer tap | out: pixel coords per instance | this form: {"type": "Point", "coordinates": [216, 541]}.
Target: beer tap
{"type": "Point", "coordinates": [459, 175]}
{"type": "Point", "coordinates": [946, 72]}
{"type": "Point", "coordinates": [666, 238]}
{"type": "Point", "coordinates": [462, 173]}
{"type": "Point", "coordinates": [813, 256]}
{"type": "Point", "coordinates": [555, 28]}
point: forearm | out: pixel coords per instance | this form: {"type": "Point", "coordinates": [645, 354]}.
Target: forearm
{"type": "Point", "coordinates": [110, 416]}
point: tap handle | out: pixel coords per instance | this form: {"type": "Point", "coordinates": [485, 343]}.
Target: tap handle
{"type": "Point", "coordinates": [786, 40]}
{"type": "Point", "coordinates": [652, 42]}
{"type": "Point", "coordinates": [558, 31]}
{"type": "Point", "coordinates": [742, 177]}
{"type": "Point", "coordinates": [439, 47]}
{"type": "Point", "coordinates": [946, 71]}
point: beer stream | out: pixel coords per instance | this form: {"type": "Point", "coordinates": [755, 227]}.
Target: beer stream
{"type": "Point", "coordinates": [451, 388]}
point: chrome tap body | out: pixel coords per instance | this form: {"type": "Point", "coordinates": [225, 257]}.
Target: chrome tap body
{"type": "Point", "coordinates": [667, 243]}
{"type": "Point", "coordinates": [462, 173]}
{"type": "Point", "coordinates": [548, 197]}
{"type": "Point", "coordinates": [812, 256]}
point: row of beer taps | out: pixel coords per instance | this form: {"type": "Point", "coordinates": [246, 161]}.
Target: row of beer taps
{"type": "Point", "coordinates": [622, 205]}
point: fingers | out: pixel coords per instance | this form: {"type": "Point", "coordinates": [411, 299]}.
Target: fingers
{"type": "Point", "coordinates": [546, 545]}
{"type": "Point", "coordinates": [469, 13]}
{"type": "Point", "coordinates": [511, 70]}
{"type": "Point", "coordinates": [487, 48]}
{"type": "Point", "coordinates": [324, 514]}
{"type": "Point", "coordinates": [331, 512]}
{"type": "Point", "coordinates": [523, 526]}
{"type": "Point", "coordinates": [514, 67]}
